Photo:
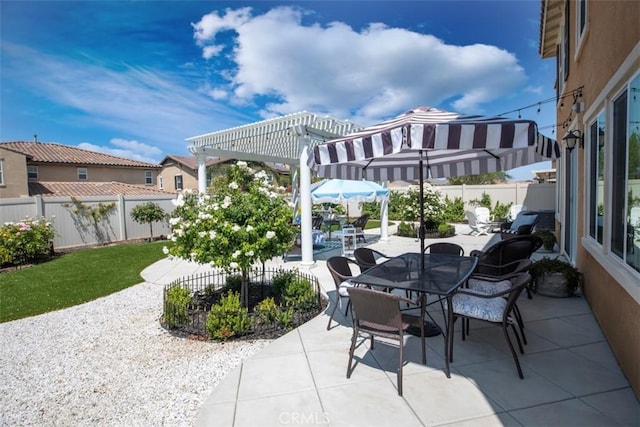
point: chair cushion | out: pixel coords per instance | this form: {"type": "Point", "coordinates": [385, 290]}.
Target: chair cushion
{"type": "Point", "coordinates": [342, 289]}
{"type": "Point", "coordinates": [490, 309]}
{"type": "Point", "coordinates": [522, 220]}
{"type": "Point", "coordinates": [488, 287]}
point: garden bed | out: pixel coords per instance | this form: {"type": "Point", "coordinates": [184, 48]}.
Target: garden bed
{"type": "Point", "coordinates": [202, 292]}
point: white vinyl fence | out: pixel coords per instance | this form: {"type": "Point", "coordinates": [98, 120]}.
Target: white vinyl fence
{"type": "Point", "coordinates": [73, 230]}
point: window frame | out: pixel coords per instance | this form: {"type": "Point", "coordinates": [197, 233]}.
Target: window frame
{"type": "Point", "coordinates": [617, 267]}
{"type": "Point", "coordinates": [161, 183]}
{"type": "Point", "coordinates": [32, 173]}
{"type": "Point", "coordinates": [178, 182]}
{"type": "Point", "coordinates": [582, 24]}
{"type": "Point", "coordinates": [2, 172]}
{"type": "Point", "coordinates": [79, 174]}
{"type": "Point", "coordinates": [148, 177]}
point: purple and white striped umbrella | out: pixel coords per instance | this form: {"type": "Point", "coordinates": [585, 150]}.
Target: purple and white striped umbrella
{"type": "Point", "coordinates": [430, 143]}
{"type": "Point", "coordinates": [449, 144]}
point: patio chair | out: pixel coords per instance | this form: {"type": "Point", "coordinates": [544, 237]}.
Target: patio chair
{"type": "Point", "coordinates": [479, 225]}
{"type": "Point", "coordinates": [340, 269]}
{"type": "Point", "coordinates": [524, 223]}
{"type": "Point", "coordinates": [316, 222]}
{"type": "Point", "coordinates": [514, 210]}
{"type": "Point", "coordinates": [378, 314]}
{"type": "Point", "coordinates": [507, 257]}
{"type": "Point", "coordinates": [495, 308]}
{"type": "Point", "coordinates": [359, 225]}
{"type": "Point", "coordinates": [444, 248]}
{"type": "Point", "coordinates": [367, 257]}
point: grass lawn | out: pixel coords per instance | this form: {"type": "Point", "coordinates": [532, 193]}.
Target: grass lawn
{"type": "Point", "coordinates": [74, 278]}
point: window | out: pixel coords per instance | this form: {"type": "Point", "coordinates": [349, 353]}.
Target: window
{"type": "Point", "coordinates": [565, 42]}
{"type": "Point", "coordinates": [178, 182]}
{"type": "Point", "coordinates": [32, 173]}
{"type": "Point", "coordinates": [160, 182]}
{"type": "Point", "coordinates": [148, 177]}
{"type": "Point", "coordinates": [82, 174]}
{"type": "Point", "coordinates": [625, 177]}
{"type": "Point", "coordinates": [1, 172]}
{"type": "Point", "coordinates": [581, 22]}
{"type": "Point", "coordinates": [596, 178]}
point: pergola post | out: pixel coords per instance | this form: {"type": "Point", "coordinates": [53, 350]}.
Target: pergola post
{"type": "Point", "coordinates": [202, 173]}
{"type": "Point", "coordinates": [305, 199]}
{"type": "Point", "coordinates": [384, 218]}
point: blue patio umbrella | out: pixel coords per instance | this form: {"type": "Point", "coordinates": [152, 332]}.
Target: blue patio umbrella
{"type": "Point", "coordinates": [346, 190]}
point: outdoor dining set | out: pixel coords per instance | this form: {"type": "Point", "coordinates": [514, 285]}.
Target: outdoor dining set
{"type": "Point", "coordinates": [390, 296]}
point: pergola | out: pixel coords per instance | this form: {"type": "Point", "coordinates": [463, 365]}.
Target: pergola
{"type": "Point", "coordinates": [287, 139]}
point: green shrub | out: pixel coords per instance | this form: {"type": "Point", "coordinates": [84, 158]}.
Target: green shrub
{"type": "Point", "coordinates": [446, 230]}
{"type": "Point", "coordinates": [407, 230]}
{"type": "Point", "coordinates": [299, 295]}
{"type": "Point", "coordinates": [371, 208]}
{"type": "Point", "coordinates": [233, 283]}
{"type": "Point", "coordinates": [281, 280]}
{"type": "Point", "coordinates": [228, 318]}
{"type": "Point", "coordinates": [269, 313]}
{"type": "Point", "coordinates": [175, 307]}
{"type": "Point", "coordinates": [453, 210]}
{"type": "Point", "coordinates": [25, 241]}
{"type": "Point", "coordinates": [500, 211]}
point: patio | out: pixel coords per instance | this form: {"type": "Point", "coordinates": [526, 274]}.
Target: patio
{"type": "Point", "coordinates": [571, 376]}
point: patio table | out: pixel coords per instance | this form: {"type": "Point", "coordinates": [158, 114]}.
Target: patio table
{"type": "Point", "coordinates": [441, 276]}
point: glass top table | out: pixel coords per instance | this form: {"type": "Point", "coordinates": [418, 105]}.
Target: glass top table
{"type": "Point", "coordinates": [433, 274]}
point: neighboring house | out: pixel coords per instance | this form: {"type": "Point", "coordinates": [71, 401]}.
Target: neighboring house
{"type": "Point", "coordinates": [597, 48]}
{"type": "Point", "coordinates": [181, 172]}
{"type": "Point", "coordinates": [27, 167]}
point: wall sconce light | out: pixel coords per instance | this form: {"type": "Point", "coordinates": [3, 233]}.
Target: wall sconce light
{"type": "Point", "coordinates": [571, 138]}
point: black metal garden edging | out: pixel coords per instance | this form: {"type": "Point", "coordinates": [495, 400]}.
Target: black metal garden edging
{"type": "Point", "coordinates": [188, 316]}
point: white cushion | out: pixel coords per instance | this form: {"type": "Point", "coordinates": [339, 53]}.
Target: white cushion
{"type": "Point", "coordinates": [523, 220]}
{"type": "Point", "coordinates": [342, 289]}
{"type": "Point", "coordinates": [488, 287]}
{"type": "Point", "coordinates": [490, 309]}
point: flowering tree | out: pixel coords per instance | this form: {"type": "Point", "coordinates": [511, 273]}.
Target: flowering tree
{"type": "Point", "coordinates": [242, 221]}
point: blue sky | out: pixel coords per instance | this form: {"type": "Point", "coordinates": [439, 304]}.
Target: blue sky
{"type": "Point", "coordinates": [135, 78]}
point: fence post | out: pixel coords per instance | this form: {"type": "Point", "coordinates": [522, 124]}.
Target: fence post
{"type": "Point", "coordinates": [122, 217]}
{"type": "Point", "coordinates": [39, 205]}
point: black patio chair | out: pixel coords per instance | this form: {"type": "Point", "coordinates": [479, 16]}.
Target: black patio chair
{"type": "Point", "coordinates": [340, 269]}
{"type": "Point", "coordinates": [495, 308]}
{"type": "Point", "coordinates": [378, 314]}
{"type": "Point", "coordinates": [446, 248]}
{"type": "Point", "coordinates": [359, 225]}
{"type": "Point", "coordinates": [367, 257]}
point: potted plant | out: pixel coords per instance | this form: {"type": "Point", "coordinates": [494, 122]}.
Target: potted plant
{"type": "Point", "coordinates": [555, 278]}
{"type": "Point", "coordinates": [548, 239]}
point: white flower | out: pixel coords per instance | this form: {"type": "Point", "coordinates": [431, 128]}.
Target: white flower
{"type": "Point", "coordinates": [212, 234]}
{"type": "Point", "coordinates": [236, 227]}
{"type": "Point", "coordinates": [241, 164]}
{"type": "Point", "coordinates": [179, 201]}
{"type": "Point", "coordinates": [201, 234]}
{"type": "Point", "coordinates": [249, 227]}
{"type": "Point", "coordinates": [233, 265]}
{"type": "Point", "coordinates": [233, 185]}
{"type": "Point", "coordinates": [236, 254]}
{"type": "Point", "coordinates": [174, 221]}
{"type": "Point", "coordinates": [271, 234]}
{"type": "Point", "coordinates": [248, 253]}
{"type": "Point", "coordinates": [165, 250]}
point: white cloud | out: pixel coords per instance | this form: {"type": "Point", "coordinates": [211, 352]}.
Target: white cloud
{"type": "Point", "coordinates": [364, 75]}
{"type": "Point", "coordinates": [135, 103]}
{"type": "Point", "coordinates": [129, 149]}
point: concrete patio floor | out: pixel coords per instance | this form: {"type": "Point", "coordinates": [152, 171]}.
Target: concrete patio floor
{"type": "Point", "coordinates": [571, 377]}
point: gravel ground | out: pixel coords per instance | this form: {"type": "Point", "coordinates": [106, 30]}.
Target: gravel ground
{"type": "Point", "coordinates": [108, 362]}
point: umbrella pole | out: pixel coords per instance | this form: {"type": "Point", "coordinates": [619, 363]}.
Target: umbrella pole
{"type": "Point", "coordinates": [421, 200]}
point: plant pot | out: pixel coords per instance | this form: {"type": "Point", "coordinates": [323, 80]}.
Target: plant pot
{"type": "Point", "coordinates": [552, 285]}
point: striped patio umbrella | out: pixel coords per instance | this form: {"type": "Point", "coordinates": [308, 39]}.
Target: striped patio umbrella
{"type": "Point", "coordinates": [430, 143]}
